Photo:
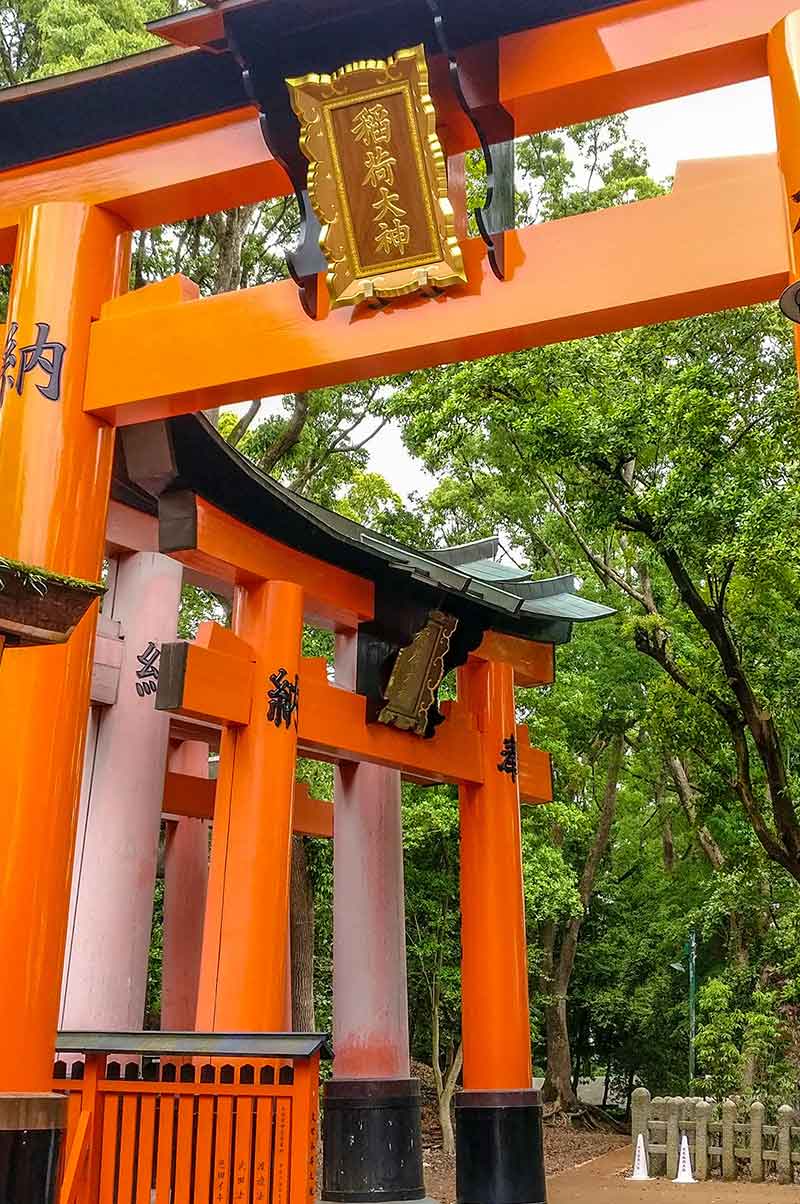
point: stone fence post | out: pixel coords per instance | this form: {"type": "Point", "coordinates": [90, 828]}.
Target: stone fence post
{"type": "Point", "coordinates": [785, 1118]}
{"type": "Point", "coordinates": [640, 1117]}
{"type": "Point", "coordinates": [702, 1115]}
{"type": "Point", "coordinates": [674, 1108]}
{"type": "Point", "coordinates": [756, 1142]}
{"type": "Point", "coordinates": [658, 1111]}
{"type": "Point", "coordinates": [728, 1139]}
{"type": "Point", "coordinates": [663, 1121]}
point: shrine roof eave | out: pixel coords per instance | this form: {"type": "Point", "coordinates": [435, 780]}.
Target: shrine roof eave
{"type": "Point", "coordinates": [206, 465]}
{"type": "Point", "coordinates": [196, 77]}
{"type": "Point", "coordinates": [347, 29]}
{"type": "Point", "coordinates": [82, 109]}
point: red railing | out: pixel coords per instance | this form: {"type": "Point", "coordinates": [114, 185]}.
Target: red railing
{"type": "Point", "coordinates": [190, 1118]}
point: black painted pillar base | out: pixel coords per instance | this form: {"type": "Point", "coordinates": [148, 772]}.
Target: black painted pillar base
{"type": "Point", "coordinates": [31, 1133]}
{"type": "Point", "coordinates": [499, 1150]}
{"type": "Point", "coordinates": [372, 1141]}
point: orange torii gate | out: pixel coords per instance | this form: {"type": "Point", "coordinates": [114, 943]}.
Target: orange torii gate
{"type": "Point", "coordinates": [173, 134]}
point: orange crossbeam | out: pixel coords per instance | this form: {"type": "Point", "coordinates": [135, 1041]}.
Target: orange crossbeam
{"type": "Point", "coordinates": [333, 726]}
{"type": "Point", "coordinates": [534, 664]}
{"type": "Point", "coordinates": [311, 816]}
{"type": "Point", "coordinates": [636, 54]}
{"type": "Point", "coordinates": [718, 240]}
{"type": "Point", "coordinates": [223, 547]}
{"type": "Point", "coordinates": [535, 770]}
{"type": "Point", "coordinates": [189, 795]}
{"type": "Point", "coordinates": [178, 172]}
{"type": "Point", "coordinates": [206, 683]}
{"type": "Point", "coordinates": [593, 65]}
{"type": "Point", "coordinates": [192, 796]}
{"type": "Point", "coordinates": [212, 685]}
{"type": "Point", "coordinates": [212, 679]}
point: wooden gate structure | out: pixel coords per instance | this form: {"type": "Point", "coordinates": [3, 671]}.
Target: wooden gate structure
{"type": "Point", "coordinates": [232, 111]}
{"type": "Point", "coordinates": [172, 1118]}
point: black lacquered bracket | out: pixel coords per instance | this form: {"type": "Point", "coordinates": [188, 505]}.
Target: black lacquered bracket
{"type": "Point", "coordinates": [280, 130]}
{"type": "Point", "coordinates": [496, 215]}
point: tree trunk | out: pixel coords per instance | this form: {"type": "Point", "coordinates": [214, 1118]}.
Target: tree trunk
{"type": "Point", "coordinates": [607, 1084]}
{"type": "Point", "coordinates": [302, 940]}
{"type": "Point", "coordinates": [557, 1087]}
{"type": "Point", "coordinates": [445, 1083]}
{"type": "Point", "coordinates": [445, 1101]}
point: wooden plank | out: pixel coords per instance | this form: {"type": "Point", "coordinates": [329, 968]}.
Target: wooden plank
{"type": "Point", "coordinates": [281, 1161]}
{"type": "Point", "coordinates": [311, 816]}
{"type": "Point", "coordinates": [202, 1156]}
{"type": "Point", "coordinates": [201, 535]}
{"type": "Point", "coordinates": [243, 1149]}
{"type": "Point", "coordinates": [332, 724]}
{"type": "Point", "coordinates": [166, 1134]}
{"type": "Point", "coordinates": [108, 1152]}
{"type": "Point", "coordinates": [127, 1150]}
{"type": "Point", "coordinates": [262, 1154]}
{"type": "Point", "coordinates": [144, 1158]}
{"type": "Point", "coordinates": [222, 1152]}
{"type": "Point", "coordinates": [193, 796]}
{"type": "Point", "coordinates": [183, 1150]}
{"type": "Point", "coordinates": [76, 1158]}
{"type": "Point", "coordinates": [535, 770]}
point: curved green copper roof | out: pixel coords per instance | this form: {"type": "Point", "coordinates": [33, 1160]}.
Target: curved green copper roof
{"type": "Point", "coordinates": [186, 456]}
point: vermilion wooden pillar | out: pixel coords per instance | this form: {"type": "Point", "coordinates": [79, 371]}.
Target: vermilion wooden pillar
{"type": "Point", "coordinates": [185, 888]}
{"type": "Point", "coordinates": [55, 466]}
{"type": "Point", "coordinates": [242, 977]}
{"type": "Point", "coordinates": [499, 1134]}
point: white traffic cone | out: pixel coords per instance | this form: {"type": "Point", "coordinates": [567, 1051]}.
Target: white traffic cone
{"type": "Point", "coordinates": [639, 1162]}
{"type": "Point", "coordinates": [685, 1164]}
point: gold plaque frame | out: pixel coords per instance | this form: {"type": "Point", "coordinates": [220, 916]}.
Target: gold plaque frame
{"type": "Point", "coordinates": [401, 80]}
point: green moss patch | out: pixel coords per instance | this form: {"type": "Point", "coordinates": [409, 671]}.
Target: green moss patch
{"type": "Point", "coordinates": [37, 579]}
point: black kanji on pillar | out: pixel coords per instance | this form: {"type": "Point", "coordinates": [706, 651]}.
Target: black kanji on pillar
{"type": "Point", "coordinates": [508, 757]}
{"type": "Point", "coordinates": [284, 698]}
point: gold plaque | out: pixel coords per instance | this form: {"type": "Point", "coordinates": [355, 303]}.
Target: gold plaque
{"type": "Point", "coordinates": [417, 675]}
{"type": "Point", "coordinates": [377, 178]}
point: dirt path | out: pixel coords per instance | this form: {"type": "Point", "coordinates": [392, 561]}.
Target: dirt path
{"type": "Point", "coordinates": [602, 1181]}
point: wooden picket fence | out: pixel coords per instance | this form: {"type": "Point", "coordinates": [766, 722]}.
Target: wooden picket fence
{"type": "Point", "coordinates": [724, 1138]}
{"type": "Point", "coordinates": [170, 1118]}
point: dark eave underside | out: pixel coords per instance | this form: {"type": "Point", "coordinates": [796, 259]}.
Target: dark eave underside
{"type": "Point", "coordinates": [208, 466]}
{"type": "Point", "coordinates": [165, 87]}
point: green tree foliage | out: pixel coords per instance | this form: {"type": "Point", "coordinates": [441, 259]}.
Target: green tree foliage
{"type": "Point", "coordinates": [50, 37]}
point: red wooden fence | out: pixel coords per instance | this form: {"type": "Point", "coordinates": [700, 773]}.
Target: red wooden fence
{"type": "Point", "coordinates": [169, 1118]}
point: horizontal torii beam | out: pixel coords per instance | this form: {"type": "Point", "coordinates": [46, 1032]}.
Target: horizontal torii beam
{"type": "Point", "coordinates": [207, 540]}
{"type": "Point", "coordinates": [192, 796]}
{"type": "Point", "coordinates": [718, 240]}
{"type": "Point", "coordinates": [212, 680]}
{"type": "Point", "coordinates": [571, 71]}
